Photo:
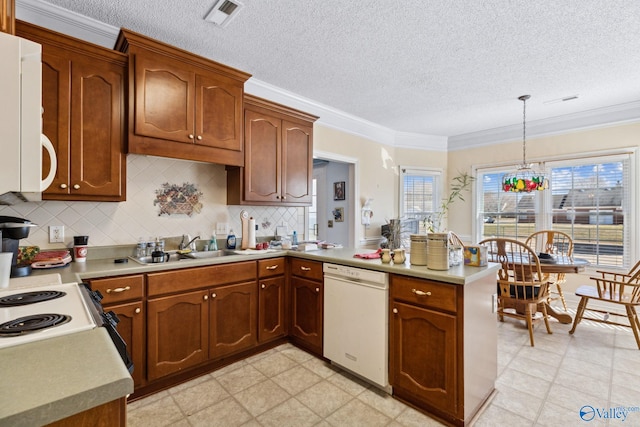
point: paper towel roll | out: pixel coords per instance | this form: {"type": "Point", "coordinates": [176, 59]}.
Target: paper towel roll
{"type": "Point", "coordinates": [252, 233]}
{"type": "Point", "coordinates": [245, 230]}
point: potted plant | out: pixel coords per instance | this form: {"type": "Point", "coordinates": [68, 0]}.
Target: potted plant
{"type": "Point", "coordinates": [460, 183]}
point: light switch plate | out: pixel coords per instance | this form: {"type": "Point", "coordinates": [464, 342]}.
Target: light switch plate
{"type": "Point", "coordinates": [222, 228]}
{"type": "Point", "coordinates": [281, 230]}
{"type": "Point", "coordinates": [56, 234]}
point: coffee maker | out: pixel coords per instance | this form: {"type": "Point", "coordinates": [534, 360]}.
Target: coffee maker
{"type": "Point", "coordinates": [12, 230]}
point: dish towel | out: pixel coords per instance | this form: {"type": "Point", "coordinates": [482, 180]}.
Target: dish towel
{"type": "Point", "coordinates": [370, 255]}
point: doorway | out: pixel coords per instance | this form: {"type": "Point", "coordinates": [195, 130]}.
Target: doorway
{"type": "Point", "coordinates": [332, 216]}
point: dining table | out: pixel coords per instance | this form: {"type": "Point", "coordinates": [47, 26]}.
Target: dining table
{"type": "Point", "coordinates": [561, 264]}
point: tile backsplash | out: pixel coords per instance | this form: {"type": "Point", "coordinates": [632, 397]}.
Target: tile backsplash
{"type": "Point", "coordinates": [111, 223]}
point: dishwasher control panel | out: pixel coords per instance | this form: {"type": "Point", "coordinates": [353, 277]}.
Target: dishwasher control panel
{"type": "Point", "coordinates": [356, 274]}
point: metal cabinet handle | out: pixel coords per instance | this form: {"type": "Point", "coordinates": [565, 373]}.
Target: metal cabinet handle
{"type": "Point", "coordinates": [190, 136]}
{"type": "Point", "coordinates": [284, 198]}
{"type": "Point", "coordinates": [272, 267]}
{"type": "Point", "coordinates": [317, 289]}
{"type": "Point", "coordinates": [213, 295]}
{"type": "Point", "coordinates": [137, 310]}
{"type": "Point", "coordinates": [206, 297]}
{"type": "Point", "coordinates": [263, 286]}
{"type": "Point", "coordinates": [63, 186]}
{"type": "Point", "coordinates": [117, 290]}
{"type": "Point", "coordinates": [199, 137]}
{"type": "Point", "coordinates": [395, 311]}
{"type": "Point", "coordinates": [421, 293]}
{"type": "Point", "coordinates": [303, 268]}
{"type": "Point", "coordinates": [76, 186]}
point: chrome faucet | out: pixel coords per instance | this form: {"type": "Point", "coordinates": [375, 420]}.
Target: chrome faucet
{"type": "Point", "coordinates": [192, 242]}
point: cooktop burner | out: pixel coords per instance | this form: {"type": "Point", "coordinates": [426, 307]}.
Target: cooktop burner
{"type": "Point", "coordinates": [33, 323]}
{"type": "Point", "coordinates": [26, 298]}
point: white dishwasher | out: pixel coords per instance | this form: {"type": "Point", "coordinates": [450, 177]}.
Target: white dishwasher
{"type": "Point", "coordinates": [356, 321]}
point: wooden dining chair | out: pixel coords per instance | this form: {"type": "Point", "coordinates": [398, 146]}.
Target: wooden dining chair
{"type": "Point", "coordinates": [522, 291]}
{"type": "Point", "coordinates": [554, 243]}
{"type": "Point", "coordinates": [455, 240]}
{"type": "Point", "coordinates": [620, 289]}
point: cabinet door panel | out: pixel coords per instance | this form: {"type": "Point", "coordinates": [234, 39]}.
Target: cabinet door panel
{"type": "Point", "coordinates": [131, 329]}
{"type": "Point", "coordinates": [233, 325]}
{"type": "Point", "coordinates": [218, 113]}
{"type": "Point", "coordinates": [271, 311]}
{"type": "Point", "coordinates": [176, 333]}
{"type": "Point", "coordinates": [306, 311]}
{"type": "Point", "coordinates": [297, 163]}
{"type": "Point", "coordinates": [262, 157]}
{"type": "Point", "coordinates": [424, 354]}
{"type": "Point", "coordinates": [56, 93]}
{"type": "Point", "coordinates": [164, 105]}
{"type": "Point", "coordinates": [97, 133]}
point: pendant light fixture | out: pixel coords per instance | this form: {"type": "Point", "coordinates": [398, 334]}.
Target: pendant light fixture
{"type": "Point", "coordinates": [525, 179]}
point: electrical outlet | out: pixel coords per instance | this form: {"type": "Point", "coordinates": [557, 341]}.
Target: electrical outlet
{"type": "Point", "coordinates": [56, 234]}
{"type": "Point", "coordinates": [222, 228]}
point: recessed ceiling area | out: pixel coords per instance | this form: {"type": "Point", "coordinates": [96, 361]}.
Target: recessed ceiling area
{"type": "Point", "coordinates": [441, 68]}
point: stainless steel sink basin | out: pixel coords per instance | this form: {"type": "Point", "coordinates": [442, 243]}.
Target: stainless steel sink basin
{"type": "Point", "coordinates": [207, 254]}
{"type": "Point", "coordinates": [173, 256]}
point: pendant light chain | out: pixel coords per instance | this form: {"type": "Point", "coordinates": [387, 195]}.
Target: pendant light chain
{"type": "Point", "coordinates": [524, 131]}
{"type": "Point", "coordinates": [524, 178]}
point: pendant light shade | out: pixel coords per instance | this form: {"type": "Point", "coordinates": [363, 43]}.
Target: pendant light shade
{"type": "Point", "coordinates": [524, 179]}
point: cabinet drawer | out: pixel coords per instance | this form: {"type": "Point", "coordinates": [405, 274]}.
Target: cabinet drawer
{"type": "Point", "coordinates": [305, 268]}
{"type": "Point", "coordinates": [424, 293]}
{"type": "Point", "coordinates": [271, 267]}
{"type": "Point", "coordinates": [168, 282]}
{"type": "Point", "coordinates": [116, 289]}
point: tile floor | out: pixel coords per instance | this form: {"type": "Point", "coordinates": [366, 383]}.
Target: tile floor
{"type": "Point", "coordinates": [546, 385]}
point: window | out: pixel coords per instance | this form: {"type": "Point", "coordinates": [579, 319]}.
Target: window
{"type": "Point", "coordinates": [419, 193]}
{"type": "Point", "coordinates": [588, 198]}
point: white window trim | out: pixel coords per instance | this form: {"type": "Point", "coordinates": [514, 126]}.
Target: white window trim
{"type": "Point", "coordinates": [634, 193]}
{"type": "Point", "coordinates": [424, 171]}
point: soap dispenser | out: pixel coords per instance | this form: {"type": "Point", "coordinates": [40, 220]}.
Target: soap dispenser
{"type": "Point", "coordinates": [213, 243]}
{"type": "Point", "coordinates": [231, 240]}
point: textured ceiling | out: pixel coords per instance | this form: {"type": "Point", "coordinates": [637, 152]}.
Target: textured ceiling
{"type": "Point", "coordinates": [435, 67]}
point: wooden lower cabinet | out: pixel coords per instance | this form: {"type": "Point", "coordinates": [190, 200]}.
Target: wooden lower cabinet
{"type": "Point", "coordinates": [443, 345]}
{"type": "Point", "coordinates": [177, 332]}
{"type": "Point", "coordinates": [424, 356]}
{"type": "Point", "coordinates": [131, 329]}
{"type": "Point", "coordinates": [110, 414]}
{"type": "Point", "coordinates": [271, 309]}
{"type": "Point", "coordinates": [307, 304]}
{"type": "Point", "coordinates": [124, 296]}
{"type": "Point", "coordinates": [272, 299]}
{"type": "Point", "coordinates": [233, 325]}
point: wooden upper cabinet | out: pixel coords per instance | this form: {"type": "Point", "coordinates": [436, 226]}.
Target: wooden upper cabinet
{"type": "Point", "coordinates": [83, 98]}
{"type": "Point", "coordinates": [182, 105]}
{"type": "Point", "coordinates": [8, 16]}
{"type": "Point", "coordinates": [278, 157]}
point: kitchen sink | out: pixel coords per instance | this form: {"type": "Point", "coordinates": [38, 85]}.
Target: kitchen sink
{"type": "Point", "coordinates": [173, 256]}
{"type": "Point", "coordinates": [207, 254]}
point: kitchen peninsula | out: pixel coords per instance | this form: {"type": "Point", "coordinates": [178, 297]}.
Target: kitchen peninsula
{"type": "Point", "coordinates": [456, 318]}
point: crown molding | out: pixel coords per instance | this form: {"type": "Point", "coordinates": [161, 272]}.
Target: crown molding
{"type": "Point", "coordinates": [67, 22]}
{"type": "Point", "coordinates": [585, 120]}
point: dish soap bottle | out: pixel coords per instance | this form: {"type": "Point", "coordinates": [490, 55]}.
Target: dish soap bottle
{"type": "Point", "coordinates": [231, 240]}
{"type": "Point", "coordinates": [213, 243]}
{"type": "Point", "coordinates": [294, 239]}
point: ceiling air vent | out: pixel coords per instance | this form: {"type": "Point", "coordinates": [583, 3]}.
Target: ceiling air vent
{"type": "Point", "coordinates": [223, 12]}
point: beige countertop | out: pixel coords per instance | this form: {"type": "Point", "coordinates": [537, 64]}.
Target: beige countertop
{"type": "Point", "coordinates": [460, 275]}
{"type": "Point", "coordinates": [52, 379]}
